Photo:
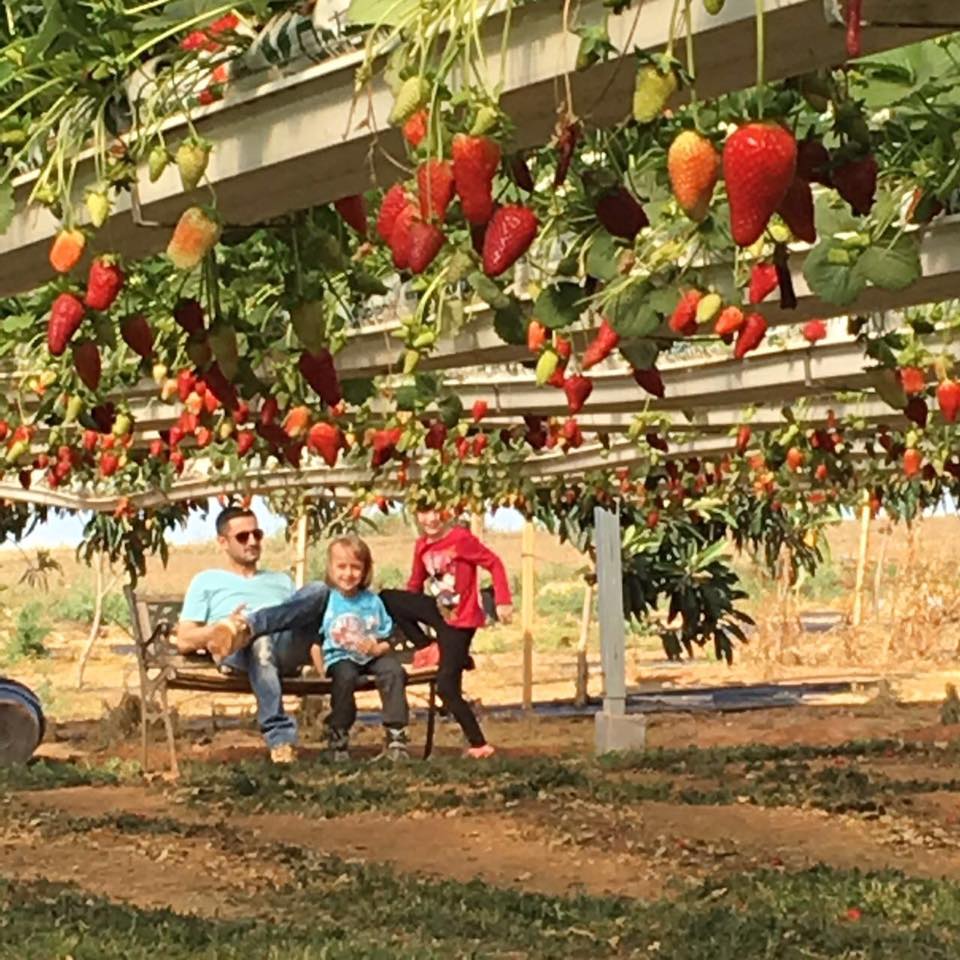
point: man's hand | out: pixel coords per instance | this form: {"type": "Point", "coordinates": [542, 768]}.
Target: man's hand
{"type": "Point", "coordinates": [376, 648]}
{"type": "Point", "coordinates": [505, 612]}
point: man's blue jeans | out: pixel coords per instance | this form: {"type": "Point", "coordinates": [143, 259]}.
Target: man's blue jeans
{"type": "Point", "coordinates": [282, 637]}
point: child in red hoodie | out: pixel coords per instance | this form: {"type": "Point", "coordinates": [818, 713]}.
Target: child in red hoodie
{"type": "Point", "coordinates": [443, 593]}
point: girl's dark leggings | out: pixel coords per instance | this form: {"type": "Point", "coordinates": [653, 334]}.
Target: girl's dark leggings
{"type": "Point", "coordinates": [411, 612]}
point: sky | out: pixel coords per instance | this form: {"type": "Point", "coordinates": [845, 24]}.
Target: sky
{"type": "Point", "coordinates": [65, 531]}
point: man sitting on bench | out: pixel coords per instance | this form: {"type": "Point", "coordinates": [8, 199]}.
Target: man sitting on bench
{"type": "Point", "coordinates": [213, 599]}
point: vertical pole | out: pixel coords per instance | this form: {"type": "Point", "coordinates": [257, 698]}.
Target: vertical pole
{"type": "Point", "coordinates": [580, 696]}
{"type": "Point", "coordinates": [300, 551]}
{"type": "Point", "coordinates": [610, 614]}
{"type": "Point", "coordinates": [527, 587]}
{"type": "Point", "coordinates": [861, 559]}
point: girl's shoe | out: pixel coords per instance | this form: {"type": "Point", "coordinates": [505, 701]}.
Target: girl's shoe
{"type": "Point", "coordinates": [426, 657]}
{"type": "Point", "coordinates": [480, 753]}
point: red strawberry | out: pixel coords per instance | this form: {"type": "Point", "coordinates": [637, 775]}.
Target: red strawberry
{"type": "Point", "coordinates": [401, 236]}
{"type": "Point", "coordinates": [189, 314]}
{"type": "Point", "coordinates": [245, 441]}
{"type": "Point", "coordinates": [90, 440]}
{"type": "Point", "coordinates": [852, 17]}
{"type": "Point", "coordinates": [509, 235]}
{"type": "Point", "coordinates": [605, 342]}
{"type": "Point", "coordinates": [480, 442]}
{"type": "Point", "coordinates": [744, 433]}
{"type": "Point", "coordinates": [750, 336]}
{"type": "Point", "coordinates": [795, 458]}
{"type": "Point", "coordinates": [475, 162]}
{"type": "Point", "coordinates": [814, 331]}
{"type": "Point", "coordinates": [384, 444]}
{"type": "Point", "coordinates": [137, 334]}
{"type": "Point", "coordinates": [813, 162]}
{"type": "Point", "coordinates": [729, 322]}
{"type": "Point", "coordinates": [426, 239]}
{"type": "Point", "coordinates": [415, 128]}
{"type": "Point", "coordinates": [577, 389]}
{"type": "Point", "coordinates": [796, 208]}
{"type": "Point", "coordinates": [435, 185]}
{"type": "Point", "coordinates": [856, 182]}
{"type": "Point", "coordinates": [157, 449]}
{"type": "Point", "coordinates": [683, 320]}
{"type": "Point", "coordinates": [109, 463]}
{"type": "Point", "coordinates": [916, 411]}
{"type": "Point", "coordinates": [66, 315]}
{"type": "Point", "coordinates": [86, 361]}
{"type": "Point", "coordinates": [318, 370]}
{"type": "Point", "coordinates": [268, 411]}
{"type": "Point", "coordinates": [620, 213]}
{"type": "Point", "coordinates": [222, 390]}
{"type": "Point", "coordinates": [759, 162]}
{"type": "Point", "coordinates": [651, 381]}
{"type": "Point", "coordinates": [948, 398]}
{"type": "Point", "coordinates": [436, 436]}
{"type": "Point", "coordinates": [912, 379]}
{"type": "Point", "coordinates": [203, 436]}
{"type": "Point", "coordinates": [394, 201]}
{"type": "Point", "coordinates": [186, 381]}
{"type": "Point", "coordinates": [104, 282]}
{"type": "Point", "coordinates": [763, 281]}
{"type": "Point", "coordinates": [479, 410]}
{"type": "Point", "coordinates": [178, 461]}
{"type": "Point", "coordinates": [353, 209]}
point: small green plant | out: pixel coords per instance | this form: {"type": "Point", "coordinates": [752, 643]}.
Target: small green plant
{"type": "Point", "coordinates": [25, 641]}
{"type": "Point", "coordinates": [77, 606]}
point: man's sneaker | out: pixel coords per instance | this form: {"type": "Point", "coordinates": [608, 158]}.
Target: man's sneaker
{"type": "Point", "coordinates": [395, 749]}
{"type": "Point", "coordinates": [426, 657]}
{"type": "Point", "coordinates": [338, 743]}
{"type": "Point", "coordinates": [480, 753]}
{"type": "Point", "coordinates": [284, 753]}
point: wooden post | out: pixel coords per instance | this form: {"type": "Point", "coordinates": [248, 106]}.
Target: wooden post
{"type": "Point", "coordinates": [610, 612]}
{"type": "Point", "coordinates": [300, 551]}
{"type": "Point", "coordinates": [527, 588]}
{"type": "Point", "coordinates": [865, 512]}
{"type": "Point", "coordinates": [580, 696]}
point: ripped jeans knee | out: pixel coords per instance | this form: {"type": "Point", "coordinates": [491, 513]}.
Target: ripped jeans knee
{"type": "Point", "coordinates": [262, 651]}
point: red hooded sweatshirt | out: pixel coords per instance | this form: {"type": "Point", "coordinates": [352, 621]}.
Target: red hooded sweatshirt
{"type": "Point", "coordinates": [447, 570]}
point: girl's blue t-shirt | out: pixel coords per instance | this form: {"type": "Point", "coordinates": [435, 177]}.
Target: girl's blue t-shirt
{"type": "Point", "coordinates": [350, 621]}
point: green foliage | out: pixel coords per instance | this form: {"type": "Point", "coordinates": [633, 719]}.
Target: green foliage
{"type": "Point", "coordinates": [77, 606]}
{"type": "Point", "coordinates": [30, 629]}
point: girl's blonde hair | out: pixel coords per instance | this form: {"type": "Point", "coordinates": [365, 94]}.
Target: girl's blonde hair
{"type": "Point", "coordinates": [360, 550]}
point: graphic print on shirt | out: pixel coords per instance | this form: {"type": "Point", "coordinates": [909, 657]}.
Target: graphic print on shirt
{"type": "Point", "coordinates": [442, 580]}
{"type": "Point", "coordinates": [352, 633]}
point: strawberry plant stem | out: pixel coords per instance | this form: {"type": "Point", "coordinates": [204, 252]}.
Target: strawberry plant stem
{"type": "Point", "coordinates": [691, 68]}
{"type": "Point", "coordinates": [673, 27]}
{"type": "Point", "coordinates": [761, 44]}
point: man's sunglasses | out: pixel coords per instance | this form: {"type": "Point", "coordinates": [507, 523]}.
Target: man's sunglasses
{"type": "Point", "coordinates": [244, 535]}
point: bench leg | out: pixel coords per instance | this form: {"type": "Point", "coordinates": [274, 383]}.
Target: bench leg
{"type": "Point", "coordinates": [431, 719]}
{"type": "Point", "coordinates": [168, 726]}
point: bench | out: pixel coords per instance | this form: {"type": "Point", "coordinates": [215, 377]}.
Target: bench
{"type": "Point", "coordinates": [153, 619]}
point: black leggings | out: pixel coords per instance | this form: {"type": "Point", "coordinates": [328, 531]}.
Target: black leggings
{"type": "Point", "coordinates": [411, 612]}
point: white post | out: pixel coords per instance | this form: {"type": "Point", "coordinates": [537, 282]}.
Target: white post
{"type": "Point", "coordinates": [615, 730]}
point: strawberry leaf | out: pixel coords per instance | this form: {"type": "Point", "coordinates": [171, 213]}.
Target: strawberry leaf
{"type": "Point", "coordinates": [558, 306]}
{"type": "Point", "coordinates": [829, 273]}
{"type": "Point", "coordinates": [632, 312]}
{"type": "Point", "coordinates": [640, 354]}
{"type": "Point", "coordinates": [601, 258]}
{"type": "Point", "coordinates": [893, 266]}
{"type": "Point", "coordinates": [357, 391]}
{"type": "Point", "coordinates": [510, 324]}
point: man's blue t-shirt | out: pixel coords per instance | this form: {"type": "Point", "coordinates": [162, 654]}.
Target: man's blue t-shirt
{"type": "Point", "coordinates": [215, 594]}
{"type": "Point", "coordinates": [351, 621]}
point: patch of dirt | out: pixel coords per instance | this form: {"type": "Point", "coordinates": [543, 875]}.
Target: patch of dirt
{"type": "Point", "coordinates": [188, 874]}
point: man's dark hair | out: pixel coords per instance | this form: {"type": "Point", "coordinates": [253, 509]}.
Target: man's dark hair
{"type": "Point", "coordinates": [231, 513]}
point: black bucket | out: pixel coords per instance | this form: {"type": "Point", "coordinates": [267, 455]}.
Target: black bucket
{"type": "Point", "coordinates": [21, 722]}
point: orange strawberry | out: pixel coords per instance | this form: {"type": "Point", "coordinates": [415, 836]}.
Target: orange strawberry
{"type": "Point", "coordinates": [66, 250]}
{"type": "Point", "coordinates": [415, 127]}
{"type": "Point", "coordinates": [193, 238]}
{"type": "Point", "coordinates": [912, 379]}
{"type": "Point", "coordinates": [693, 165]}
{"type": "Point", "coordinates": [759, 162]}
{"type": "Point", "coordinates": [536, 336]}
{"type": "Point", "coordinates": [912, 462]}
{"type": "Point", "coordinates": [730, 321]}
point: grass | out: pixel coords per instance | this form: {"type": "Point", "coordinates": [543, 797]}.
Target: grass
{"type": "Point", "coordinates": [345, 910]}
{"type": "Point", "coordinates": [25, 640]}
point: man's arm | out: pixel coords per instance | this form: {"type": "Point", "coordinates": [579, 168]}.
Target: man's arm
{"type": "Point", "coordinates": [193, 630]}
{"type": "Point", "coordinates": [192, 636]}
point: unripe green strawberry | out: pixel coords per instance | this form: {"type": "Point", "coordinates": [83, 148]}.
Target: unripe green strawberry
{"type": "Point", "coordinates": [713, 7]}
{"type": "Point", "coordinates": [411, 359]}
{"type": "Point", "coordinates": [157, 161]}
{"type": "Point", "coordinates": [546, 366]}
{"type": "Point", "coordinates": [485, 121]}
{"type": "Point", "coordinates": [709, 307]}
{"type": "Point", "coordinates": [98, 206]}
{"type": "Point", "coordinates": [192, 157]}
{"type": "Point", "coordinates": [410, 97]}
{"type": "Point", "coordinates": [651, 91]}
